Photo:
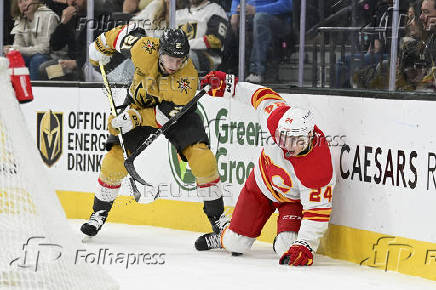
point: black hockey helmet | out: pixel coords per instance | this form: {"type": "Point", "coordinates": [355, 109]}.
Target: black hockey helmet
{"type": "Point", "coordinates": [174, 43]}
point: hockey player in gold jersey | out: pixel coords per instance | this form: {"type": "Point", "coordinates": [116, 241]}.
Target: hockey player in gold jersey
{"type": "Point", "coordinates": [164, 81]}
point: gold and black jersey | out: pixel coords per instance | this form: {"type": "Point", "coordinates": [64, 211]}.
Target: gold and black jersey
{"type": "Point", "coordinates": [149, 86]}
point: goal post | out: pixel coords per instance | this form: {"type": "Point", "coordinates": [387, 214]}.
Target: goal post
{"type": "Point", "coordinates": [38, 246]}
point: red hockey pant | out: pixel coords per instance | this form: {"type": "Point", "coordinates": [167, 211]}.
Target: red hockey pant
{"type": "Point", "coordinates": [253, 210]}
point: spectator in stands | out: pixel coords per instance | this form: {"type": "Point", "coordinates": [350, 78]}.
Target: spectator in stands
{"type": "Point", "coordinates": [411, 69]}
{"type": "Point", "coordinates": [56, 5]}
{"type": "Point", "coordinates": [34, 23]}
{"type": "Point", "coordinates": [378, 50]}
{"type": "Point", "coordinates": [414, 26]}
{"type": "Point", "coordinates": [206, 26]}
{"type": "Point", "coordinates": [428, 15]}
{"type": "Point", "coordinates": [428, 18]}
{"type": "Point", "coordinates": [154, 18]}
{"type": "Point", "coordinates": [130, 6]}
{"type": "Point", "coordinates": [271, 19]}
{"type": "Point", "coordinates": [8, 24]}
{"type": "Point", "coordinates": [410, 64]}
{"type": "Point", "coordinates": [126, 6]}
{"type": "Point", "coordinates": [68, 44]}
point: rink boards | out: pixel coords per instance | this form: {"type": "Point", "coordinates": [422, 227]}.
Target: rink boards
{"type": "Point", "coordinates": [383, 150]}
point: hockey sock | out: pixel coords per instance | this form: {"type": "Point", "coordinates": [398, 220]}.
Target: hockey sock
{"type": "Point", "coordinates": [102, 205]}
{"type": "Point", "coordinates": [214, 209]}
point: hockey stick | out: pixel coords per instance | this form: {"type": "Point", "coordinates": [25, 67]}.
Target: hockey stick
{"type": "Point", "coordinates": [128, 163]}
{"type": "Point", "coordinates": [135, 191]}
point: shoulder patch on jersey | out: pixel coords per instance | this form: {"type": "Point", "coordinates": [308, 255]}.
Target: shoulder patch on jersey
{"type": "Point", "coordinates": [190, 29]}
{"type": "Point", "coordinates": [314, 169]}
{"type": "Point", "coordinates": [184, 85]}
{"type": "Point", "coordinates": [149, 46]}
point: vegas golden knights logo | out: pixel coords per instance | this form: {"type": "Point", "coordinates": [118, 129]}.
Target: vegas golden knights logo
{"type": "Point", "coordinates": [190, 29]}
{"type": "Point", "coordinates": [49, 136]}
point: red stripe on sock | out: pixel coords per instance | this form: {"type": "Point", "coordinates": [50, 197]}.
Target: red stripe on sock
{"type": "Point", "coordinates": [108, 185]}
{"type": "Point", "coordinates": [210, 183]}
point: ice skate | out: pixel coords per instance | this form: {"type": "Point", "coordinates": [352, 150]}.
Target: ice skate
{"type": "Point", "coordinates": [93, 226]}
{"type": "Point", "coordinates": [213, 240]}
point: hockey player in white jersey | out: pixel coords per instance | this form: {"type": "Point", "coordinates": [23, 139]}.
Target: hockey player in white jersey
{"type": "Point", "coordinates": [294, 174]}
{"type": "Point", "coordinates": [205, 24]}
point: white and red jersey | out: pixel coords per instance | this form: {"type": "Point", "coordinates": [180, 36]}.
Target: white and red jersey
{"type": "Point", "coordinates": [206, 27]}
{"type": "Point", "coordinates": [308, 178]}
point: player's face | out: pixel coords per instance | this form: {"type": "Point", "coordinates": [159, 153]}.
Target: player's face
{"type": "Point", "coordinates": [171, 64]}
{"type": "Point", "coordinates": [292, 144]}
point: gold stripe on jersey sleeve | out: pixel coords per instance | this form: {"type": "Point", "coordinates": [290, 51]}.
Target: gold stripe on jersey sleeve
{"type": "Point", "coordinates": [325, 211]}
{"type": "Point", "coordinates": [317, 214]}
{"type": "Point", "coordinates": [112, 36]}
{"type": "Point", "coordinates": [317, 219]}
{"type": "Point", "coordinates": [102, 48]}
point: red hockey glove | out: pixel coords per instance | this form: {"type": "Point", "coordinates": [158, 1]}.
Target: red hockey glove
{"type": "Point", "coordinates": [221, 84]}
{"type": "Point", "coordinates": [299, 254]}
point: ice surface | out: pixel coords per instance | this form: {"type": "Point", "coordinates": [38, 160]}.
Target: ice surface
{"type": "Point", "coordinates": [186, 268]}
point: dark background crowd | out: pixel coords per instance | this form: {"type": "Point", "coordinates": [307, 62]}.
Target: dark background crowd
{"type": "Point", "coordinates": [51, 36]}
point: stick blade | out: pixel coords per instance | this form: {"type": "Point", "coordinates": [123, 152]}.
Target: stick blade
{"type": "Point", "coordinates": [149, 195]}
{"type": "Point", "coordinates": [132, 172]}
{"type": "Point", "coordinates": [135, 191]}
{"type": "Point", "coordinates": [147, 198]}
